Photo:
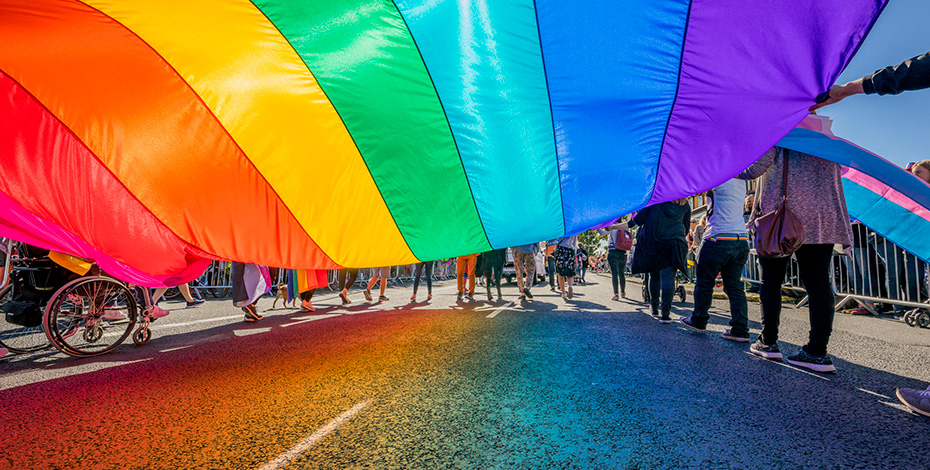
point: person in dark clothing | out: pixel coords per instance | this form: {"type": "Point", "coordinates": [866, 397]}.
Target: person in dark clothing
{"type": "Point", "coordinates": [661, 249]}
{"type": "Point", "coordinates": [912, 74]}
{"type": "Point", "coordinates": [428, 265]}
{"type": "Point", "coordinates": [492, 264]}
{"type": "Point", "coordinates": [347, 277]}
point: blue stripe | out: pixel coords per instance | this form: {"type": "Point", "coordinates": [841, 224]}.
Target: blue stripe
{"type": "Point", "coordinates": [815, 143]}
{"type": "Point", "coordinates": [485, 62]}
{"type": "Point", "coordinates": [611, 99]}
{"type": "Point", "coordinates": [901, 226]}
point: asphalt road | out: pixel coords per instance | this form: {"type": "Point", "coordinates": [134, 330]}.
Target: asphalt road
{"type": "Point", "coordinates": [586, 383]}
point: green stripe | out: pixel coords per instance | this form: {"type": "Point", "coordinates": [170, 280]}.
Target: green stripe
{"type": "Point", "coordinates": [368, 65]}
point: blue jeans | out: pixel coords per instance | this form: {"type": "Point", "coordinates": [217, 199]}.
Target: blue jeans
{"type": "Point", "coordinates": [726, 257]}
{"type": "Point", "coordinates": [666, 279]}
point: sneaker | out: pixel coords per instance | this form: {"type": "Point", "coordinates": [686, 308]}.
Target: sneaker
{"type": "Point", "coordinates": [195, 303]}
{"type": "Point", "coordinates": [251, 315]}
{"type": "Point", "coordinates": [155, 312]}
{"type": "Point", "coordinates": [460, 295]}
{"type": "Point", "coordinates": [765, 350]}
{"type": "Point", "coordinates": [527, 293]}
{"type": "Point", "coordinates": [471, 296]}
{"type": "Point", "coordinates": [521, 297]}
{"type": "Point", "coordinates": [687, 321]}
{"type": "Point", "coordinates": [490, 298]}
{"type": "Point", "coordinates": [623, 295]}
{"type": "Point", "coordinates": [655, 312]}
{"type": "Point", "coordinates": [429, 297]}
{"type": "Point", "coordinates": [665, 320]}
{"type": "Point", "coordinates": [306, 307]}
{"type": "Point", "coordinates": [917, 400]}
{"type": "Point", "coordinates": [814, 363]}
{"type": "Point", "coordinates": [367, 295]}
{"type": "Point", "coordinates": [345, 298]}
{"type": "Point", "coordinates": [615, 297]}
{"type": "Point", "coordinates": [382, 299]}
{"type": "Point", "coordinates": [729, 335]}
{"type": "Point", "coordinates": [413, 298]}
{"type": "Point", "coordinates": [115, 316]}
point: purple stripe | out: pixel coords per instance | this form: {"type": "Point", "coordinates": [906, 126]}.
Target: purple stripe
{"type": "Point", "coordinates": [749, 72]}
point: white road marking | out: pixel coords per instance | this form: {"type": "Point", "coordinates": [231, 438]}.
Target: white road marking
{"type": "Point", "coordinates": [313, 318]}
{"type": "Point", "coordinates": [873, 393]}
{"type": "Point", "coordinates": [253, 331]}
{"type": "Point", "coordinates": [175, 349]}
{"type": "Point", "coordinates": [156, 326]}
{"type": "Point", "coordinates": [286, 458]}
{"type": "Point", "coordinates": [499, 309]}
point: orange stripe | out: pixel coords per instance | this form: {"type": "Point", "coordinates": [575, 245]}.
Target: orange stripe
{"type": "Point", "coordinates": [151, 130]}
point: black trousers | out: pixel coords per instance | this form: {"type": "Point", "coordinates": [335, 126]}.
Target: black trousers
{"type": "Point", "coordinates": [429, 277]}
{"type": "Point", "coordinates": [616, 259]}
{"type": "Point", "coordinates": [814, 269]}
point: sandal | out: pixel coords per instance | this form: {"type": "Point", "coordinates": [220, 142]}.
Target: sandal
{"type": "Point", "coordinates": [345, 298]}
{"type": "Point", "coordinates": [367, 295]}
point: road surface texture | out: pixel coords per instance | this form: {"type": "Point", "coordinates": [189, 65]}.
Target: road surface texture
{"type": "Point", "coordinates": [547, 383]}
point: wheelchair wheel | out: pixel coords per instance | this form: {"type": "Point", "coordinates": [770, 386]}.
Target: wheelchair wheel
{"type": "Point", "coordinates": [17, 338]}
{"type": "Point", "coordinates": [923, 319]}
{"type": "Point", "coordinates": [910, 317]}
{"type": "Point", "coordinates": [682, 295]}
{"type": "Point", "coordinates": [90, 316]}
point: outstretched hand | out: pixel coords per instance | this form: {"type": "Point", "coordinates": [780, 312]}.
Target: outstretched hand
{"type": "Point", "coordinates": [838, 92]}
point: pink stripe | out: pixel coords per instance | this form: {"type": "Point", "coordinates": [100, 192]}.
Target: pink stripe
{"type": "Point", "coordinates": [885, 191]}
{"type": "Point", "coordinates": [19, 224]}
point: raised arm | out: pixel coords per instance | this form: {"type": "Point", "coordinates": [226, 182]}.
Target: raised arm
{"type": "Point", "coordinates": [758, 168]}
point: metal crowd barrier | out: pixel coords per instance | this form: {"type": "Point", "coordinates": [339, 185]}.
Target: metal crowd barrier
{"type": "Point", "coordinates": [877, 271]}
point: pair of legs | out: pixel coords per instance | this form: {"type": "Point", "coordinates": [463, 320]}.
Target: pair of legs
{"type": "Point", "coordinates": [566, 282]}
{"type": "Point", "coordinates": [617, 261]}
{"type": "Point", "coordinates": [725, 257]}
{"type": "Point", "coordinates": [565, 266]}
{"type": "Point", "coordinates": [466, 265]}
{"type": "Point", "coordinates": [550, 263]}
{"type": "Point", "coordinates": [346, 278]}
{"type": "Point", "coordinates": [814, 269]}
{"type": "Point", "coordinates": [428, 265]}
{"type": "Point", "coordinates": [494, 269]}
{"type": "Point", "coordinates": [661, 291]}
{"type": "Point", "coordinates": [380, 274]}
{"type": "Point", "coordinates": [525, 266]}
{"type": "Point", "coordinates": [185, 292]}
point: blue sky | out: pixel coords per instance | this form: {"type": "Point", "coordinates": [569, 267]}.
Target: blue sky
{"type": "Point", "coordinates": [895, 127]}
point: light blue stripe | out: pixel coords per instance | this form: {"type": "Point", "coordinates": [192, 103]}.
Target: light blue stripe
{"type": "Point", "coordinates": [903, 227]}
{"type": "Point", "coordinates": [613, 73]}
{"type": "Point", "coordinates": [484, 59]}
{"type": "Point", "coordinates": [820, 145]}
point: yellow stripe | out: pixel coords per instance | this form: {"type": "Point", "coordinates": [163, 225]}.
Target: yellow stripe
{"type": "Point", "coordinates": [263, 94]}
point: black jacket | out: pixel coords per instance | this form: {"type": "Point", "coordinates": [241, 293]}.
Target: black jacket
{"type": "Point", "coordinates": [660, 242]}
{"type": "Point", "coordinates": [912, 74]}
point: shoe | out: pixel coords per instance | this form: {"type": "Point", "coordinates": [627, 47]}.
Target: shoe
{"type": "Point", "coordinates": [116, 316]}
{"type": "Point", "coordinates": [917, 400]}
{"type": "Point", "coordinates": [460, 295]}
{"type": "Point", "coordinates": [345, 298]}
{"type": "Point", "coordinates": [623, 295]}
{"type": "Point", "coordinates": [155, 312]}
{"type": "Point", "coordinates": [665, 320]}
{"type": "Point", "coordinates": [765, 350]}
{"type": "Point", "coordinates": [490, 298]}
{"type": "Point", "coordinates": [413, 298]}
{"type": "Point", "coordinates": [859, 311]}
{"type": "Point", "coordinates": [570, 293]}
{"type": "Point", "coordinates": [195, 303]}
{"type": "Point", "coordinates": [521, 297]}
{"type": "Point", "coordinates": [251, 315]}
{"type": "Point", "coordinates": [729, 335]}
{"type": "Point", "coordinates": [687, 321]}
{"type": "Point", "coordinates": [429, 297]}
{"type": "Point", "coordinates": [814, 363]}
{"type": "Point", "coordinates": [367, 295]}
{"type": "Point", "coordinates": [306, 307]}
{"type": "Point", "coordinates": [655, 312]}
{"type": "Point", "coordinates": [527, 293]}
{"type": "Point", "coordinates": [615, 297]}
{"type": "Point", "coordinates": [382, 299]}
{"type": "Point", "coordinates": [471, 296]}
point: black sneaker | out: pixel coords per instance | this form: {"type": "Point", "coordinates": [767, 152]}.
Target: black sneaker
{"type": "Point", "coordinates": [665, 320]}
{"type": "Point", "coordinates": [526, 291]}
{"type": "Point", "coordinates": [814, 363]}
{"type": "Point", "coordinates": [765, 350]}
{"type": "Point", "coordinates": [195, 303]}
{"type": "Point", "coordinates": [687, 321]}
{"type": "Point", "coordinates": [729, 335]}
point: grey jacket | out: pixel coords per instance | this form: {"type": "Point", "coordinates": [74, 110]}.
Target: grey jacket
{"type": "Point", "coordinates": [815, 194]}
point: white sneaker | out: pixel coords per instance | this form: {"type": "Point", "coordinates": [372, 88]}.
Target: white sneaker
{"type": "Point", "coordinates": [155, 312]}
{"type": "Point", "coordinates": [114, 316]}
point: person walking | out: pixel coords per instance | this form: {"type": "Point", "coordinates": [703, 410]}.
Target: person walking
{"type": "Point", "coordinates": [661, 250]}
{"type": "Point", "coordinates": [382, 274]}
{"type": "Point", "coordinates": [249, 283]}
{"type": "Point", "coordinates": [582, 259]}
{"type": "Point", "coordinates": [619, 243]}
{"type": "Point", "coordinates": [428, 267]}
{"type": "Point", "coordinates": [493, 267]}
{"type": "Point", "coordinates": [550, 263]}
{"type": "Point", "coordinates": [346, 278]}
{"type": "Point", "coordinates": [724, 251]}
{"type": "Point", "coordinates": [565, 263]}
{"type": "Point", "coordinates": [524, 263]}
{"type": "Point", "coordinates": [814, 193]}
{"type": "Point", "coordinates": [465, 266]}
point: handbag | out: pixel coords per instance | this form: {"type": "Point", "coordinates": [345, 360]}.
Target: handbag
{"type": "Point", "coordinates": [624, 241]}
{"type": "Point", "coordinates": [779, 233]}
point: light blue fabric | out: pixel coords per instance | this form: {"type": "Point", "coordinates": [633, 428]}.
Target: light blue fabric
{"type": "Point", "coordinates": [485, 62]}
